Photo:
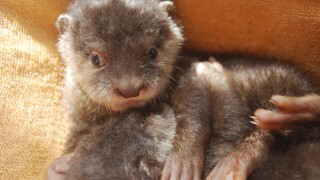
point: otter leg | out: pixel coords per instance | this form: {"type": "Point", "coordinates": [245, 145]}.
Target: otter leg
{"type": "Point", "coordinates": [192, 109]}
{"type": "Point", "coordinates": [244, 158]}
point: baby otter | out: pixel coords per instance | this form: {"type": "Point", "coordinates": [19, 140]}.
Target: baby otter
{"type": "Point", "coordinates": [121, 55]}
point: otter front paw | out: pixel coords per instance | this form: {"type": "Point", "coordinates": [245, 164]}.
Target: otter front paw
{"type": "Point", "coordinates": [180, 166]}
{"type": "Point", "coordinates": [228, 168]}
{"type": "Point", "coordinates": [290, 112]}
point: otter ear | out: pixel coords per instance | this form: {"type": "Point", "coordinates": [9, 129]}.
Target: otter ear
{"type": "Point", "coordinates": [63, 22]}
{"type": "Point", "coordinates": [167, 6]}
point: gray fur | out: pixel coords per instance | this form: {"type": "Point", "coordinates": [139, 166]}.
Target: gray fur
{"type": "Point", "coordinates": [103, 127]}
{"type": "Point", "coordinates": [292, 156]}
{"type": "Point", "coordinates": [124, 31]}
{"type": "Point", "coordinates": [129, 146]}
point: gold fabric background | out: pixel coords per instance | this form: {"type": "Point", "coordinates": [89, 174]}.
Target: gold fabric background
{"type": "Point", "coordinates": [32, 121]}
{"type": "Point", "coordinates": [33, 125]}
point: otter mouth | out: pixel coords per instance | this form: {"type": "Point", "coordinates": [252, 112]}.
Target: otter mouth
{"type": "Point", "coordinates": [132, 103]}
{"type": "Point", "coordinates": [125, 104]}
{"type": "Point", "coordinates": [120, 103]}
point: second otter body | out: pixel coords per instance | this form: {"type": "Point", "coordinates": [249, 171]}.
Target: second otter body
{"type": "Point", "coordinates": [239, 86]}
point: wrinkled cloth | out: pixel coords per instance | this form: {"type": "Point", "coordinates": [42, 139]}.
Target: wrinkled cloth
{"type": "Point", "coordinates": [288, 30]}
{"type": "Point", "coordinates": [33, 124]}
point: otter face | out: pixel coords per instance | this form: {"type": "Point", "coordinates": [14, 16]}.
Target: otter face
{"type": "Point", "coordinates": [121, 53]}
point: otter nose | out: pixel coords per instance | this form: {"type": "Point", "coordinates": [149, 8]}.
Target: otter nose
{"type": "Point", "coordinates": [129, 92]}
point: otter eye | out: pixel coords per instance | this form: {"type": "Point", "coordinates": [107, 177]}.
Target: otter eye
{"type": "Point", "coordinates": [153, 53]}
{"type": "Point", "coordinates": [97, 60]}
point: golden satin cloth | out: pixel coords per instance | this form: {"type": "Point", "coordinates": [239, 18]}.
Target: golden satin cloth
{"type": "Point", "coordinates": [33, 124]}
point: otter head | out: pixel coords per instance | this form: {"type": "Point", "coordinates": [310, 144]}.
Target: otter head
{"type": "Point", "coordinates": [121, 53]}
